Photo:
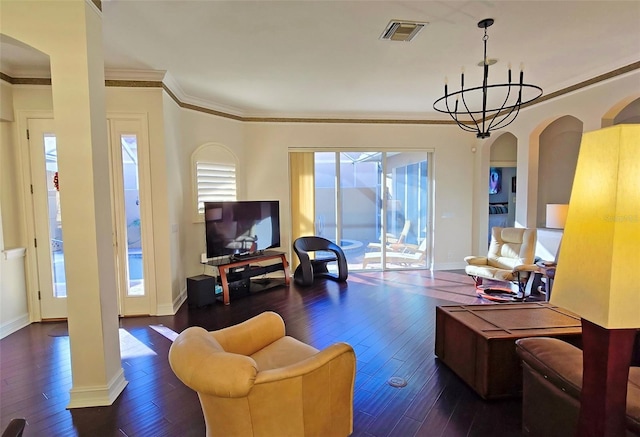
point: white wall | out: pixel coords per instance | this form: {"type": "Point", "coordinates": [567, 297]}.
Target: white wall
{"type": "Point", "coordinates": [588, 105]}
{"type": "Point", "coordinates": [149, 101]}
{"type": "Point", "coordinates": [558, 157]}
{"type": "Point", "coordinates": [196, 129]}
{"type": "Point", "coordinates": [268, 160]}
{"type": "Point", "coordinates": [6, 101]}
{"type": "Point", "coordinates": [178, 198]}
{"type": "Point", "coordinates": [14, 311]}
{"type": "Point", "coordinates": [461, 175]}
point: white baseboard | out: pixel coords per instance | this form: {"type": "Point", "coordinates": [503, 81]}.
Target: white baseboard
{"type": "Point", "coordinates": [14, 325]}
{"type": "Point", "coordinates": [458, 265]}
{"type": "Point", "coordinates": [98, 396]}
{"type": "Point", "coordinates": [179, 300]}
{"type": "Point", "coordinates": [171, 309]}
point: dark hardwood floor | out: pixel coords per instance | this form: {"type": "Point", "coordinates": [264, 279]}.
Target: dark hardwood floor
{"type": "Point", "coordinates": [389, 318]}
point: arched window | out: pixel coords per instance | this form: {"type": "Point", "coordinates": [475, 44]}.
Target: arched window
{"type": "Point", "coordinates": [214, 176]}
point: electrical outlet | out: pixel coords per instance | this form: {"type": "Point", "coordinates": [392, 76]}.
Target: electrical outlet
{"type": "Point", "coordinates": [203, 258]}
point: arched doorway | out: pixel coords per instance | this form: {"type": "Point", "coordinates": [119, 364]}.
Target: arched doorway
{"type": "Point", "coordinates": [503, 162]}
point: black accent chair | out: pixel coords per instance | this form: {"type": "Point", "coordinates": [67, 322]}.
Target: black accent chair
{"type": "Point", "coordinates": [314, 268]}
{"type": "Point", "coordinates": [15, 428]}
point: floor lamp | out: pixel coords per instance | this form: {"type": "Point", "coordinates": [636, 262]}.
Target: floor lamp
{"type": "Point", "coordinates": [597, 276]}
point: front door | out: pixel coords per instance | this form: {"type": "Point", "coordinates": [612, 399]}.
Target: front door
{"type": "Point", "coordinates": [47, 219]}
{"type": "Point", "coordinates": [131, 209]}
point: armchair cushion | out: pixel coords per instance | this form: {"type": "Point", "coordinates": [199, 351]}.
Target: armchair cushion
{"type": "Point", "coordinates": [282, 353]}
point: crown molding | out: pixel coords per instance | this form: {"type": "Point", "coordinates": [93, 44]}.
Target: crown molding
{"type": "Point", "coordinates": [135, 75]}
{"type": "Point", "coordinates": [164, 80]}
{"type": "Point", "coordinates": [191, 102]}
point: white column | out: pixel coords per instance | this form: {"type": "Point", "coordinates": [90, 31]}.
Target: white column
{"type": "Point", "coordinates": [70, 32]}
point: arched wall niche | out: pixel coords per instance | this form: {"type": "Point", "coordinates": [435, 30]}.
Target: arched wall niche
{"type": "Point", "coordinates": [627, 111]}
{"type": "Point", "coordinates": [559, 144]}
{"type": "Point", "coordinates": [629, 115]}
{"type": "Point", "coordinates": [504, 150]}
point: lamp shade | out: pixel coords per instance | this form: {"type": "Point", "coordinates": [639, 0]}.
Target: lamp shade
{"type": "Point", "coordinates": [599, 261]}
{"type": "Point", "coordinates": [556, 215]}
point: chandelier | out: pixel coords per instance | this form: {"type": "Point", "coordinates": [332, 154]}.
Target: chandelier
{"type": "Point", "coordinates": [498, 110]}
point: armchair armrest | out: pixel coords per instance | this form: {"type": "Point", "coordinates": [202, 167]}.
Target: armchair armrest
{"type": "Point", "coordinates": [222, 374]}
{"type": "Point", "coordinates": [248, 337]}
{"type": "Point", "coordinates": [476, 260]}
{"type": "Point", "coordinates": [199, 362]}
{"type": "Point", "coordinates": [526, 268]}
{"type": "Point", "coordinates": [325, 356]}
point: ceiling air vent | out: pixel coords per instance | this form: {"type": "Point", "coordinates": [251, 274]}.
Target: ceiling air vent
{"type": "Point", "coordinates": [402, 30]}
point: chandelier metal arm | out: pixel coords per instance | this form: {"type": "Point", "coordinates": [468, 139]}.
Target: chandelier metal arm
{"type": "Point", "coordinates": [454, 113]}
{"type": "Point", "coordinates": [504, 103]}
{"type": "Point", "coordinates": [464, 102]}
{"type": "Point", "coordinates": [502, 121]}
{"type": "Point", "coordinates": [502, 107]}
{"type": "Point", "coordinates": [445, 109]}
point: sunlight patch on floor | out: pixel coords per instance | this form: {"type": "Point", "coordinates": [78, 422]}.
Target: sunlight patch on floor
{"type": "Point", "coordinates": [131, 347]}
{"type": "Point", "coordinates": [164, 331]}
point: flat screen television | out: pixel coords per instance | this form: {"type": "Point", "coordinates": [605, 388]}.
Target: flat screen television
{"type": "Point", "coordinates": [241, 227]}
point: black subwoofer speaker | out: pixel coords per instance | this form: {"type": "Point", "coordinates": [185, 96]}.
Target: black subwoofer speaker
{"type": "Point", "coordinates": [201, 290]}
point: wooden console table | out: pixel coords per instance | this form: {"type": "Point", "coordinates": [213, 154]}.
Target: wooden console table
{"type": "Point", "coordinates": [243, 270]}
{"type": "Point", "coordinates": [478, 341]}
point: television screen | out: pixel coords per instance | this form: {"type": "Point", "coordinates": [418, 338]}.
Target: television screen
{"type": "Point", "coordinates": [241, 227]}
{"type": "Point", "coordinates": [495, 180]}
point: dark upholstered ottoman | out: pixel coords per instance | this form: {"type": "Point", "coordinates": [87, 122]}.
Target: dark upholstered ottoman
{"type": "Point", "coordinates": [552, 381]}
{"type": "Point", "coordinates": [478, 341]}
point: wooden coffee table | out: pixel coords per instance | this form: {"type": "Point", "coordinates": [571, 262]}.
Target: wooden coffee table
{"type": "Point", "coordinates": [478, 341]}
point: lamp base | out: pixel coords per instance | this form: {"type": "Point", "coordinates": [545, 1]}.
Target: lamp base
{"type": "Point", "coordinates": [603, 399]}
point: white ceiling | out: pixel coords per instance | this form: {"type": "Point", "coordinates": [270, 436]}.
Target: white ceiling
{"type": "Point", "coordinates": [311, 58]}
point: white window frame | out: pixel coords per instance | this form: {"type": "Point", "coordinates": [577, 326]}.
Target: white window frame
{"type": "Point", "coordinates": [213, 163]}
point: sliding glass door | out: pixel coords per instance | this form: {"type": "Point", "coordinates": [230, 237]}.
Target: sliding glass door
{"type": "Point", "coordinates": [376, 206]}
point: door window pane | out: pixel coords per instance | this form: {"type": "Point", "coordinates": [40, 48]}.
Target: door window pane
{"type": "Point", "coordinates": [406, 184]}
{"type": "Point", "coordinates": [375, 206]}
{"type": "Point", "coordinates": [54, 216]}
{"type": "Point", "coordinates": [135, 269]}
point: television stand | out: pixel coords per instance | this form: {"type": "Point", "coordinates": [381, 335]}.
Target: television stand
{"type": "Point", "coordinates": [241, 269]}
{"type": "Point", "coordinates": [244, 256]}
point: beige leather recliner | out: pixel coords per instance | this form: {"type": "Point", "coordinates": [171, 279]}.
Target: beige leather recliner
{"type": "Point", "coordinates": [253, 380]}
{"type": "Point", "coordinates": [510, 258]}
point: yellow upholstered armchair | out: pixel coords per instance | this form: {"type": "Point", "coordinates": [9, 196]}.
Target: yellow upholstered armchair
{"type": "Point", "coordinates": [253, 380]}
{"type": "Point", "coordinates": [510, 259]}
